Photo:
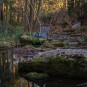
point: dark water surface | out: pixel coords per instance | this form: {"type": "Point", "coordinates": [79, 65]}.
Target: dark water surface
{"type": "Point", "coordinates": [51, 82]}
{"type": "Point", "coordinates": [16, 81]}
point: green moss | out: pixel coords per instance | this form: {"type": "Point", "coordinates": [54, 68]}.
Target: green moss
{"type": "Point", "coordinates": [33, 42]}
{"type": "Point", "coordinates": [48, 45]}
{"type": "Point", "coordinates": [35, 75]}
{"type": "Point", "coordinates": [59, 44]}
{"type": "Point", "coordinates": [75, 66]}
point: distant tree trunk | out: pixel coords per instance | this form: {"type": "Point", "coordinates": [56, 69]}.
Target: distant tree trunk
{"type": "Point", "coordinates": [6, 14]}
{"type": "Point", "coordinates": [10, 21]}
{"type": "Point", "coordinates": [37, 14]}
{"type": "Point", "coordinates": [10, 18]}
{"type": "Point", "coordinates": [1, 13]}
{"type": "Point", "coordinates": [18, 18]}
{"type": "Point", "coordinates": [25, 16]}
{"type": "Point", "coordinates": [39, 6]}
{"type": "Point", "coordinates": [2, 16]}
{"type": "Point", "coordinates": [21, 11]}
{"type": "Point", "coordinates": [31, 16]}
{"type": "Point", "coordinates": [22, 16]}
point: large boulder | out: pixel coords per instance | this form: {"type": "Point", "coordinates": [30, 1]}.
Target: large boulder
{"type": "Point", "coordinates": [76, 26]}
{"type": "Point", "coordinates": [59, 51]}
{"type": "Point", "coordinates": [69, 66]}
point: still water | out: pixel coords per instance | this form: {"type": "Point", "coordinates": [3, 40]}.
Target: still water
{"type": "Point", "coordinates": [16, 81]}
{"type": "Point", "coordinates": [51, 82]}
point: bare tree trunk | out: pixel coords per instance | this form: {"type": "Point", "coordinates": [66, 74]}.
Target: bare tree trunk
{"type": "Point", "coordinates": [31, 16]}
{"type": "Point", "coordinates": [2, 18]}
{"type": "Point", "coordinates": [10, 18]}
{"type": "Point", "coordinates": [6, 14]}
{"type": "Point", "coordinates": [22, 16]}
{"type": "Point", "coordinates": [38, 11]}
{"type": "Point", "coordinates": [1, 13]}
{"type": "Point", "coordinates": [25, 16]}
{"type": "Point", "coordinates": [18, 18]}
{"type": "Point", "coordinates": [10, 21]}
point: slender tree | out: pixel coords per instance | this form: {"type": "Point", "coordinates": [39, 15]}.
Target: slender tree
{"type": "Point", "coordinates": [1, 11]}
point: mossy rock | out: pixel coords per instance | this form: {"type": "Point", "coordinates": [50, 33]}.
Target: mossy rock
{"type": "Point", "coordinates": [48, 45]}
{"type": "Point", "coordinates": [4, 44]}
{"type": "Point", "coordinates": [59, 44]}
{"type": "Point", "coordinates": [75, 66]}
{"type": "Point", "coordinates": [34, 41]}
{"type": "Point", "coordinates": [36, 76]}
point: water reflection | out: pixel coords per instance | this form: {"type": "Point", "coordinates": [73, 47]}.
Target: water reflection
{"type": "Point", "coordinates": [14, 80]}
{"type": "Point", "coordinates": [58, 82]}
{"type": "Point", "coordinates": [36, 84]}
{"type": "Point", "coordinates": [51, 82]}
{"type": "Point", "coordinates": [14, 83]}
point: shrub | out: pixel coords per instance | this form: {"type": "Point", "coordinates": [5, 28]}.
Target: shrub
{"type": "Point", "coordinates": [82, 29]}
{"type": "Point", "coordinates": [79, 59]}
{"type": "Point", "coordinates": [34, 42]}
{"type": "Point", "coordinates": [48, 45]}
{"type": "Point", "coordinates": [37, 41]}
{"type": "Point", "coordinates": [70, 31]}
{"type": "Point", "coordinates": [11, 33]}
{"type": "Point", "coordinates": [59, 44]}
{"type": "Point", "coordinates": [46, 18]}
{"type": "Point", "coordinates": [64, 24]}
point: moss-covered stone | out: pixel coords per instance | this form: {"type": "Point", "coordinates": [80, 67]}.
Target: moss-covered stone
{"type": "Point", "coordinates": [34, 41]}
{"type": "Point", "coordinates": [72, 66]}
{"type": "Point", "coordinates": [36, 76]}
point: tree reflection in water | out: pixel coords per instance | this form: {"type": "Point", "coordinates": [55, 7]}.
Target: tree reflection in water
{"type": "Point", "coordinates": [52, 82]}
{"type": "Point", "coordinates": [32, 84]}
{"type": "Point", "coordinates": [16, 81]}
